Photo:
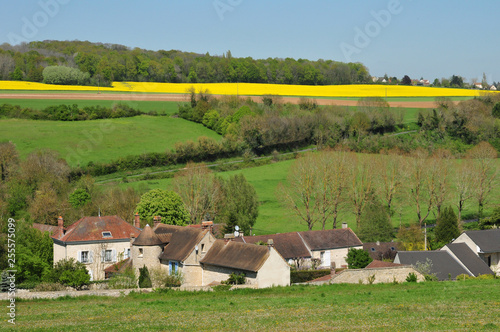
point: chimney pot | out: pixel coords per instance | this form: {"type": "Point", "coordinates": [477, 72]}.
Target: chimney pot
{"type": "Point", "coordinates": [344, 225]}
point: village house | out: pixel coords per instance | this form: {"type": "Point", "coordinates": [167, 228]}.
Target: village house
{"type": "Point", "coordinates": [97, 242]}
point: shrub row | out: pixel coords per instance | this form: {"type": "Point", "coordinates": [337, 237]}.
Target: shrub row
{"type": "Point", "coordinates": [70, 112]}
{"type": "Point", "coordinates": [307, 275]}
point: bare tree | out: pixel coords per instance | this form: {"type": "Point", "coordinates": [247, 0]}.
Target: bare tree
{"type": "Point", "coordinates": [200, 191]}
{"type": "Point", "coordinates": [361, 184]}
{"type": "Point", "coordinates": [316, 187]}
{"type": "Point", "coordinates": [483, 156]}
{"type": "Point", "coordinates": [300, 196]}
{"type": "Point", "coordinates": [439, 166]}
{"type": "Point", "coordinates": [388, 170]}
{"type": "Point", "coordinates": [465, 185]}
{"type": "Point", "coordinates": [419, 184]}
{"type": "Point", "coordinates": [332, 181]}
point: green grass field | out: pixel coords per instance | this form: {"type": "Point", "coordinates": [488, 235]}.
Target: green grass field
{"type": "Point", "coordinates": [471, 305]}
{"type": "Point", "coordinates": [101, 140]}
{"type": "Point", "coordinates": [162, 107]}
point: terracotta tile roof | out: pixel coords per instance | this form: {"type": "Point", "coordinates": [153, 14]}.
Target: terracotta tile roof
{"type": "Point", "coordinates": [118, 267]}
{"type": "Point", "coordinates": [236, 255]}
{"type": "Point", "coordinates": [330, 239]}
{"type": "Point", "coordinates": [323, 278]}
{"type": "Point", "coordinates": [182, 241]}
{"type": "Point", "coordinates": [91, 229]}
{"type": "Point", "coordinates": [147, 238]}
{"type": "Point", "coordinates": [289, 245]}
{"type": "Point", "coordinates": [45, 228]}
{"type": "Point", "coordinates": [488, 240]}
{"type": "Point", "coordinates": [377, 264]}
{"type": "Point", "coordinates": [164, 238]}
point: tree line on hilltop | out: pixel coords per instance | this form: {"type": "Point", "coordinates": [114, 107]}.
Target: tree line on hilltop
{"type": "Point", "coordinates": [86, 63]}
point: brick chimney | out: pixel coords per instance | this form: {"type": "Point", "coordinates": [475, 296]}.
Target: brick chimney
{"type": "Point", "coordinates": [137, 220]}
{"type": "Point", "coordinates": [157, 220]}
{"type": "Point", "coordinates": [60, 225]}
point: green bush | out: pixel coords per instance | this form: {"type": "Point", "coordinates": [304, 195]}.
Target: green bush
{"type": "Point", "coordinates": [125, 280]}
{"type": "Point", "coordinates": [161, 278]}
{"type": "Point", "coordinates": [412, 277]}
{"type": "Point", "coordinates": [307, 275]}
{"type": "Point", "coordinates": [144, 279]}
{"type": "Point", "coordinates": [235, 279]}
{"type": "Point", "coordinates": [358, 258]}
{"type": "Point", "coordinates": [69, 272]}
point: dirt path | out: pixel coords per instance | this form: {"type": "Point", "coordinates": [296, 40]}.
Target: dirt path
{"type": "Point", "coordinates": [184, 97]}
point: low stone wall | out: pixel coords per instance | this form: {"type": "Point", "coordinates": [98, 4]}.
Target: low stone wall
{"type": "Point", "coordinates": [382, 275]}
{"type": "Point", "coordinates": [25, 294]}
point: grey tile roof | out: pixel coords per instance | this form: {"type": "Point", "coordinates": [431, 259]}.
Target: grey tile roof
{"type": "Point", "coordinates": [289, 245]}
{"type": "Point", "coordinates": [471, 261]}
{"type": "Point", "coordinates": [443, 264]}
{"type": "Point", "coordinates": [488, 240]}
{"type": "Point", "coordinates": [331, 239]}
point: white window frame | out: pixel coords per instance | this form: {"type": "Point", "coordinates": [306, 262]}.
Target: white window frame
{"type": "Point", "coordinates": [105, 258]}
{"type": "Point", "coordinates": [89, 256]}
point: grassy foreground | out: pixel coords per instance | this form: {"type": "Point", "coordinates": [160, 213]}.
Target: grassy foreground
{"type": "Point", "coordinates": [451, 305]}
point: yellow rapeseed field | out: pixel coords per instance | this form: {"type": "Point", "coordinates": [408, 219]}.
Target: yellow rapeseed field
{"type": "Point", "coordinates": [256, 89]}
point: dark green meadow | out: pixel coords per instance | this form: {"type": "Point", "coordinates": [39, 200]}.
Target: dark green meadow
{"type": "Point", "coordinates": [472, 305]}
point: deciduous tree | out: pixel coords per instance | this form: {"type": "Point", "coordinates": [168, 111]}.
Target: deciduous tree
{"type": "Point", "coordinates": [241, 205]}
{"type": "Point", "coordinates": [200, 191]}
{"type": "Point", "coordinates": [163, 203]}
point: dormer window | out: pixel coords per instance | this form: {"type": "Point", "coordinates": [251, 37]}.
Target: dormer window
{"type": "Point", "coordinates": [106, 234]}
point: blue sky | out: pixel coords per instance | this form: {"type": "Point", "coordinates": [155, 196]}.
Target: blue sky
{"type": "Point", "coordinates": [427, 39]}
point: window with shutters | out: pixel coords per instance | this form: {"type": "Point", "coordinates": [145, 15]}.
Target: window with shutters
{"type": "Point", "coordinates": [85, 257]}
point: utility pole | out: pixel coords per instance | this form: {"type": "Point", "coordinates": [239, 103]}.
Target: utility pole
{"type": "Point", "coordinates": [425, 236]}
